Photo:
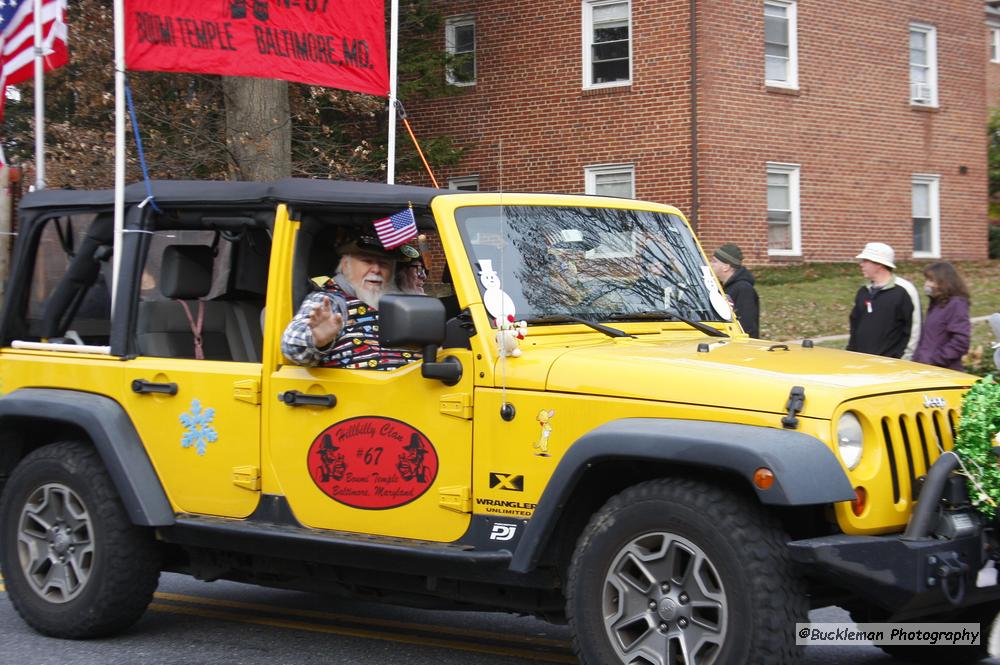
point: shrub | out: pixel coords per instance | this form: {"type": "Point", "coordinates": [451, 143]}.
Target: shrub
{"type": "Point", "coordinates": [995, 241]}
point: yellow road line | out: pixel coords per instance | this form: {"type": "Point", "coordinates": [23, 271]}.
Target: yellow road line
{"type": "Point", "coordinates": [355, 619]}
{"type": "Point", "coordinates": [366, 634]}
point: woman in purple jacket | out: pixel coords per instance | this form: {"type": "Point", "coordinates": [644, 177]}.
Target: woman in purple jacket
{"type": "Point", "coordinates": [945, 336]}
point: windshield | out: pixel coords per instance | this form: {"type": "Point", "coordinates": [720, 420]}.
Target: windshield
{"type": "Point", "coordinates": [592, 263]}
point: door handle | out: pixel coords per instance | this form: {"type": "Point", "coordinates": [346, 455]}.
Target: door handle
{"type": "Point", "coordinates": [296, 398]}
{"type": "Point", "coordinates": [144, 386]}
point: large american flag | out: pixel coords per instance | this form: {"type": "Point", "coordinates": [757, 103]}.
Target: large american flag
{"type": "Point", "coordinates": [396, 229]}
{"type": "Point", "coordinates": [17, 40]}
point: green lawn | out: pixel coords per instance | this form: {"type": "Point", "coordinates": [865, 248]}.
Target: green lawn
{"type": "Point", "coordinates": [814, 299]}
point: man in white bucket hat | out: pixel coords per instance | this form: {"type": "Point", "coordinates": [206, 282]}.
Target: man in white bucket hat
{"type": "Point", "coordinates": [882, 318]}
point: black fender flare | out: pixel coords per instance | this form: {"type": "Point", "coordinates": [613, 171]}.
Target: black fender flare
{"type": "Point", "coordinates": [806, 471]}
{"type": "Point", "coordinates": [114, 436]}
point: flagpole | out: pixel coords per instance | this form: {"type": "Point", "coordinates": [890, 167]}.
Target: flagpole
{"type": "Point", "coordinates": [390, 167]}
{"type": "Point", "coordinates": [119, 216]}
{"type": "Point", "coordinates": [39, 98]}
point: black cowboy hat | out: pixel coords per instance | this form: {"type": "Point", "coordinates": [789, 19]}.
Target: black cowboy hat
{"type": "Point", "coordinates": [328, 444]}
{"type": "Point", "coordinates": [416, 444]}
{"type": "Point", "coordinates": [368, 243]}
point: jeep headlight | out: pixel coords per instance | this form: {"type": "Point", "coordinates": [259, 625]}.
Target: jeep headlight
{"type": "Point", "coordinates": [850, 439]}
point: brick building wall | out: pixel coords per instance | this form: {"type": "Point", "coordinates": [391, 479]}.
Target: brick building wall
{"type": "Point", "coordinates": [529, 94]}
{"type": "Point", "coordinates": [992, 66]}
{"type": "Point", "coordinates": [849, 126]}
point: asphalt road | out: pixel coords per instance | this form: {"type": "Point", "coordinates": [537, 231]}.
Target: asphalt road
{"type": "Point", "coordinates": [196, 623]}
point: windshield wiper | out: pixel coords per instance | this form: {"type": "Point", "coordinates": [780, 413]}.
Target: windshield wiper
{"type": "Point", "coordinates": [569, 318]}
{"type": "Point", "coordinates": [670, 314]}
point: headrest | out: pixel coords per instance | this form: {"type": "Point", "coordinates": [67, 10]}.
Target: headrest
{"type": "Point", "coordinates": [186, 271]}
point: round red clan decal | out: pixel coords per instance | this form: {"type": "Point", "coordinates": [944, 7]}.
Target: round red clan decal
{"type": "Point", "coordinates": [372, 463]}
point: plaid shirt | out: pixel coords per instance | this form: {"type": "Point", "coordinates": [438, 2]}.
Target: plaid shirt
{"type": "Point", "coordinates": [356, 347]}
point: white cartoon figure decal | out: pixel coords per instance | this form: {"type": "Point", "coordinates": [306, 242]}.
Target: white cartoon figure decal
{"type": "Point", "coordinates": [495, 299]}
{"type": "Point", "coordinates": [719, 301]}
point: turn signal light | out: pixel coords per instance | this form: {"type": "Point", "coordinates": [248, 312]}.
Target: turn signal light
{"type": "Point", "coordinates": [860, 500]}
{"type": "Point", "coordinates": [763, 478]}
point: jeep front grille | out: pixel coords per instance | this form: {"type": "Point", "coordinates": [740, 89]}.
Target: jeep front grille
{"type": "Point", "coordinates": [913, 443]}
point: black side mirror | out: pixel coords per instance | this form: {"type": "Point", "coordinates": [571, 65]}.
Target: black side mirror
{"type": "Point", "coordinates": [414, 320]}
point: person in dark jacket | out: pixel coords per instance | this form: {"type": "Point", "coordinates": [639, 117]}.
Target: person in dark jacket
{"type": "Point", "coordinates": [727, 263]}
{"type": "Point", "coordinates": [947, 328]}
{"type": "Point", "coordinates": [882, 316]}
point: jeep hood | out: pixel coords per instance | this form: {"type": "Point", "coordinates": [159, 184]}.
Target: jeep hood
{"type": "Point", "coordinates": [739, 373]}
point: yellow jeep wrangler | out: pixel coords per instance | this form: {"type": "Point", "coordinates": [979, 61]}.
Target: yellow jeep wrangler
{"type": "Point", "coordinates": [589, 435]}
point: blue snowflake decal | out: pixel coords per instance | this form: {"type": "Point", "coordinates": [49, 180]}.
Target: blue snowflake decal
{"type": "Point", "coordinates": [198, 433]}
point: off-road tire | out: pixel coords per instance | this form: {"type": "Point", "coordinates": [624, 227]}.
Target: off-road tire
{"type": "Point", "coordinates": [124, 567]}
{"type": "Point", "coordinates": [759, 594]}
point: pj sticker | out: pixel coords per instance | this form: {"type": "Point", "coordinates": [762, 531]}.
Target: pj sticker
{"type": "Point", "coordinates": [372, 463]}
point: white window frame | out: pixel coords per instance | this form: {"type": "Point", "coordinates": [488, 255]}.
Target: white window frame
{"type": "Point", "coordinates": [588, 42]}
{"type": "Point", "coordinates": [994, 43]}
{"type": "Point", "coordinates": [464, 181]}
{"type": "Point", "coordinates": [628, 246]}
{"type": "Point", "coordinates": [791, 8]}
{"type": "Point", "coordinates": [932, 74]}
{"type": "Point", "coordinates": [793, 172]}
{"type": "Point", "coordinates": [449, 46]}
{"type": "Point", "coordinates": [590, 174]}
{"type": "Point", "coordinates": [934, 203]}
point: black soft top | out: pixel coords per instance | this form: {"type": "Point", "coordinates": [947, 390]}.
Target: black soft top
{"type": "Point", "coordinates": [302, 191]}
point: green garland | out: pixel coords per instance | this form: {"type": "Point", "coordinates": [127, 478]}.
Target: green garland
{"type": "Point", "coordinates": [978, 433]}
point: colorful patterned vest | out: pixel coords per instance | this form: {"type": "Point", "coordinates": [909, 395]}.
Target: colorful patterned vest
{"type": "Point", "coordinates": [358, 347]}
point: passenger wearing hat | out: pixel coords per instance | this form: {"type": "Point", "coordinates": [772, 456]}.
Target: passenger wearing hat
{"type": "Point", "coordinates": [882, 317]}
{"type": "Point", "coordinates": [727, 263]}
{"type": "Point", "coordinates": [338, 325]}
{"type": "Point", "coordinates": [411, 273]}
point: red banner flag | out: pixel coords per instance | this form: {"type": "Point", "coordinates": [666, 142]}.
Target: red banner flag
{"type": "Point", "coordinates": [333, 43]}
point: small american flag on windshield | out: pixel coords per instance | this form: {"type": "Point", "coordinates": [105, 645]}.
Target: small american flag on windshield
{"type": "Point", "coordinates": [396, 229]}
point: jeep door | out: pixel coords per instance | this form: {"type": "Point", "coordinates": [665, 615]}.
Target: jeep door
{"type": "Point", "coordinates": [365, 451]}
{"type": "Point", "coordinates": [197, 406]}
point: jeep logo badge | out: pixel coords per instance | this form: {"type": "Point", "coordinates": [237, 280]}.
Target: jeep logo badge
{"type": "Point", "coordinates": [934, 402]}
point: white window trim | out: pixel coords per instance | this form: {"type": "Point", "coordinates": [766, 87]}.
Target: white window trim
{"type": "Point", "coordinates": [934, 194]}
{"type": "Point", "coordinates": [932, 68]}
{"type": "Point", "coordinates": [455, 183]}
{"type": "Point", "coordinates": [793, 45]}
{"type": "Point", "coordinates": [449, 46]}
{"type": "Point", "coordinates": [994, 42]}
{"type": "Point", "coordinates": [588, 35]}
{"type": "Point", "coordinates": [793, 171]}
{"type": "Point", "coordinates": [590, 174]}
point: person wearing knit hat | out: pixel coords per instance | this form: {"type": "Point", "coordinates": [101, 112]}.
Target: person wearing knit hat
{"type": "Point", "coordinates": [881, 321]}
{"type": "Point", "coordinates": [738, 283]}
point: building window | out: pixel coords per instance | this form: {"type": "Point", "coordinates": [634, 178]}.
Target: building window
{"type": "Point", "coordinates": [460, 44]}
{"type": "Point", "coordinates": [465, 183]}
{"type": "Point", "coordinates": [923, 65]}
{"type": "Point", "coordinates": [784, 237]}
{"type": "Point", "coordinates": [994, 44]}
{"type": "Point", "coordinates": [607, 44]}
{"type": "Point", "coordinates": [611, 180]}
{"type": "Point", "coordinates": [926, 216]}
{"type": "Point", "coordinates": [781, 62]}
